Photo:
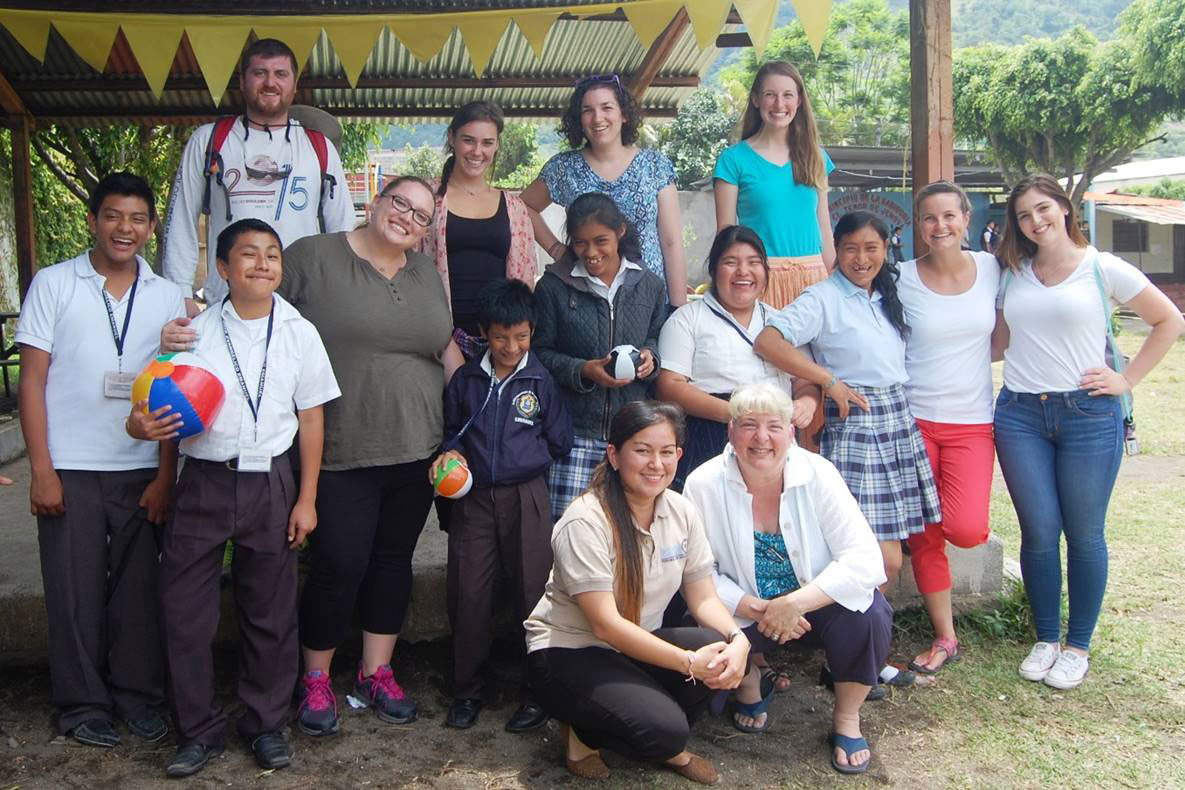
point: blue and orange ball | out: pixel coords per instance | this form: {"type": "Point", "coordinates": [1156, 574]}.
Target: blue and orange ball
{"type": "Point", "coordinates": [186, 383]}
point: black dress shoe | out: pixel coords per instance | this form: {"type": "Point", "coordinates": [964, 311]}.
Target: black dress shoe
{"type": "Point", "coordinates": [875, 693]}
{"type": "Point", "coordinates": [150, 728]}
{"type": "Point", "coordinates": [462, 714]}
{"type": "Point", "coordinates": [529, 716]}
{"type": "Point", "coordinates": [191, 758]}
{"type": "Point", "coordinates": [96, 732]}
{"type": "Point", "coordinates": [272, 751]}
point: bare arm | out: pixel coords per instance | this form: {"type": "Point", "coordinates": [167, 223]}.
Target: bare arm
{"type": "Point", "coordinates": [1000, 337]}
{"type": "Point", "coordinates": [45, 491]}
{"type": "Point", "coordinates": [824, 213]}
{"type": "Point", "coordinates": [670, 238]}
{"type": "Point", "coordinates": [537, 197]}
{"type": "Point", "coordinates": [303, 518]}
{"type": "Point", "coordinates": [775, 349]}
{"type": "Point", "coordinates": [677, 388]}
{"type": "Point", "coordinates": [725, 195]}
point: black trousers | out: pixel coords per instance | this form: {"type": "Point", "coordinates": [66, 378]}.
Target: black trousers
{"type": "Point", "coordinates": [216, 504]}
{"type": "Point", "coordinates": [99, 563]}
{"type": "Point", "coordinates": [612, 701]}
{"type": "Point", "coordinates": [856, 644]}
{"type": "Point", "coordinates": [497, 533]}
{"type": "Point", "coordinates": [369, 521]}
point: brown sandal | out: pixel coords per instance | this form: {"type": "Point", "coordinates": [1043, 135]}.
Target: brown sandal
{"type": "Point", "coordinates": [697, 769]}
{"type": "Point", "coordinates": [591, 767]}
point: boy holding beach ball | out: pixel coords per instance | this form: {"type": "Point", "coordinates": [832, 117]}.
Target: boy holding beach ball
{"type": "Point", "coordinates": [87, 327]}
{"type": "Point", "coordinates": [507, 422]}
{"type": "Point", "coordinates": [237, 484]}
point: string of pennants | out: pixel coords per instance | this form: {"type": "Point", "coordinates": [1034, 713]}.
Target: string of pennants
{"type": "Point", "coordinates": [217, 40]}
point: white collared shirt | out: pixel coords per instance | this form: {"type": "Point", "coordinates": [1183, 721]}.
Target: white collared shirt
{"type": "Point", "coordinates": [487, 364]}
{"type": "Point", "coordinates": [826, 535]}
{"type": "Point", "coordinates": [702, 341]}
{"type": "Point", "coordinates": [299, 376]}
{"type": "Point", "coordinates": [63, 314]}
{"type": "Point", "coordinates": [597, 286]}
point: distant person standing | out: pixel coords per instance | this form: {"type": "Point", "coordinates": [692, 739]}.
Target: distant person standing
{"type": "Point", "coordinates": [262, 164]}
{"type": "Point", "coordinates": [895, 245]}
{"type": "Point", "coordinates": [989, 238]}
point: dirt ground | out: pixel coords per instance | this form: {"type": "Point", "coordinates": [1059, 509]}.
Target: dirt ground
{"type": "Point", "coordinates": [369, 753]}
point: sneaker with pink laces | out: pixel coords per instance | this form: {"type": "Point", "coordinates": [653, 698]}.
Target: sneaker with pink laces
{"type": "Point", "coordinates": [317, 714]}
{"type": "Point", "coordinates": [384, 695]}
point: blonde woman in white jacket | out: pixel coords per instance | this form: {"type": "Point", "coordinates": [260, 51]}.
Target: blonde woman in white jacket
{"type": "Point", "coordinates": [795, 559]}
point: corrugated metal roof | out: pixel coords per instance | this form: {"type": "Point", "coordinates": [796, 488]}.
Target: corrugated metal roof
{"type": "Point", "coordinates": [1157, 215]}
{"type": "Point", "coordinates": [65, 89]}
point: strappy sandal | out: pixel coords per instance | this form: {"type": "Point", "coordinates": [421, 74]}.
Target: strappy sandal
{"type": "Point", "coordinates": [591, 767]}
{"type": "Point", "coordinates": [772, 676]}
{"type": "Point", "coordinates": [948, 646]}
{"type": "Point", "coordinates": [850, 746]}
{"type": "Point", "coordinates": [752, 710]}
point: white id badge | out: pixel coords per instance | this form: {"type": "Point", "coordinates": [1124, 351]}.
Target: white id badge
{"type": "Point", "coordinates": [254, 459]}
{"type": "Point", "coordinates": [118, 385]}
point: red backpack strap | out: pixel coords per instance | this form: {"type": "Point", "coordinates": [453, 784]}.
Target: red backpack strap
{"type": "Point", "coordinates": [213, 160]}
{"type": "Point", "coordinates": [321, 148]}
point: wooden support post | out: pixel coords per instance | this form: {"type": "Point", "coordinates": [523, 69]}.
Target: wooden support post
{"type": "Point", "coordinates": [22, 200]}
{"type": "Point", "coordinates": [931, 100]}
{"type": "Point", "coordinates": [658, 54]}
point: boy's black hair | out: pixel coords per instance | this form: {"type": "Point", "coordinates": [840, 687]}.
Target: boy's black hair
{"type": "Point", "coordinates": [506, 303]}
{"type": "Point", "coordinates": [267, 48]}
{"type": "Point", "coordinates": [126, 185]}
{"type": "Point", "coordinates": [231, 233]}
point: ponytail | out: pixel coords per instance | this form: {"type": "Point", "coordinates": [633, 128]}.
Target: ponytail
{"type": "Point", "coordinates": [445, 172]}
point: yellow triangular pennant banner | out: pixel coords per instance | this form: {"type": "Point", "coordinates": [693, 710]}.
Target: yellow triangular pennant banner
{"type": "Point", "coordinates": [649, 19]}
{"type": "Point", "coordinates": [90, 38]}
{"type": "Point", "coordinates": [300, 38]}
{"type": "Point", "coordinates": [217, 47]}
{"type": "Point", "coordinates": [155, 45]}
{"type": "Point", "coordinates": [535, 28]}
{"type": "Point", "coordinates": [759, 16]}
{"type": "Point", "coordinates": [813, 15]}
{"type": "Point", "coordinates": [353, 41]}
{"type": "Point", "coordinates": [423, 35]}
{"type": "Point", "coordinates": [482, 34]}
{"type": "Point", "coordinates": [29, 29]}
{"type": "Point", "coordinates": [707, 17]}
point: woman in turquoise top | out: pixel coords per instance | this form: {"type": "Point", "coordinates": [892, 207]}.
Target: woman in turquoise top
{"type": "Point", "coordinates": [775, 181]}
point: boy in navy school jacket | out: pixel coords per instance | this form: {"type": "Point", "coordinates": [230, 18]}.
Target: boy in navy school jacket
{"type": "Point", "coordinates": [508, 421]}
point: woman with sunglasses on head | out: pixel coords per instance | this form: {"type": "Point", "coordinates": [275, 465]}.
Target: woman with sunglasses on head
{"type": "Point", "coordinates": [775, 181]}
{"type": "Point", "coordinates": [601, 125]}
{"type": "Point", "coordinates": [482, 234]}
{"type": "Point", "coordinates": [383, 314]}
{"type": "Point", "coordinates": [1059, 416]}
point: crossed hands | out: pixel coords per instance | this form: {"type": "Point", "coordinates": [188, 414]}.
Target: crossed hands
{"type": "Point", "coordinates": [721, 665]}
{"type": "Point", "coordinates": [781, 619]}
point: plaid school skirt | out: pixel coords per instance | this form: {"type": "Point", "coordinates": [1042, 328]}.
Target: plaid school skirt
{"type": "Point", "coordinates": [568, 477]}
{"type": "Point", "coordinates": [881, 456]}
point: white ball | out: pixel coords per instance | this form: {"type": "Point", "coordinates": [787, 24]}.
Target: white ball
{"type": "Point", "coordinates": [623, 362]}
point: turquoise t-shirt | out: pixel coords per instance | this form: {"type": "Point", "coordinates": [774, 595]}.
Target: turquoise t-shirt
{"type": "Point", "coordinates": [783, 212]}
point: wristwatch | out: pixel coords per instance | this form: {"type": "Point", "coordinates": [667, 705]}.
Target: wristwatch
{"type": "Point", "coordinates": [733, 634]}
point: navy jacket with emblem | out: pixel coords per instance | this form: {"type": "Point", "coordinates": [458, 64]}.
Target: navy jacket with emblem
{"type": "Point", "coordinates": [524, 426]}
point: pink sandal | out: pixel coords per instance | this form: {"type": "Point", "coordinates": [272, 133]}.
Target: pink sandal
{"type": "Point", "coordinates": [948, 646]}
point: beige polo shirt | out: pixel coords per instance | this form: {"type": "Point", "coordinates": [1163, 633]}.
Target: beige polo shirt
{"type": "Point", "coordinates": [675, 551]}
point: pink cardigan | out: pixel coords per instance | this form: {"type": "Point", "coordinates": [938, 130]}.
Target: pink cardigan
{"type": "Point", "coordinates": [520, 261]}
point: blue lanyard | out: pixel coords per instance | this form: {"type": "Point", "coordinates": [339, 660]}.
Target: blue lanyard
{"type": "Point", "coordinates": [116, 335]}
{"type": "Point", "coordinates": [234, 360]}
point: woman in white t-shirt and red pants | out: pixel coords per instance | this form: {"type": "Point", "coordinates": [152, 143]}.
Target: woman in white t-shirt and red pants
{"type": "Point", "coordinates": [1059, 420]}
{"type": "Point", "coordinates": [949, 296]}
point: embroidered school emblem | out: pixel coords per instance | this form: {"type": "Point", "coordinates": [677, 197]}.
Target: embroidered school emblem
{"type": "Point", "coordinates": [526, 404]}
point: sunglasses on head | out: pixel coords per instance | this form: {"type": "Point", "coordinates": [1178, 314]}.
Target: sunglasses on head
{"type": "Point", "coordinates": [599, 79]}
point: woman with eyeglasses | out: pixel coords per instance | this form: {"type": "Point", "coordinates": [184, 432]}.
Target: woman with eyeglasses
{"type": "Point", "coordinates": [601, 125]}
{"type": "Point", "coordinates": [482, 233]}
{"type": "Point", "coordinates": [383, 315]}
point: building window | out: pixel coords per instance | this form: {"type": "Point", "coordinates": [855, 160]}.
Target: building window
{"type": "Point", "coordinates": [1129, 236]}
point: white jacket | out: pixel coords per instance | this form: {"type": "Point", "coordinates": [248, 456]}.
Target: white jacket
{"type": "Point", "coordinates": [826, 535]}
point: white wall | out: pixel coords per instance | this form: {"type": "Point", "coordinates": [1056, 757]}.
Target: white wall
{"type": "Point", "coordinates": [1158, 259]}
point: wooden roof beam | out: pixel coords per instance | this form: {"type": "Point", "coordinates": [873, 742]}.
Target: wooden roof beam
{"type": "Point", "coordinates": [154, 116]}
{"type": "Point", "coordinates": [658, 54]}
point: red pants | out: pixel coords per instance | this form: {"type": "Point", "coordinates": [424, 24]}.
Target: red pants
{"type": "Point", "coordinates": [961, 457]}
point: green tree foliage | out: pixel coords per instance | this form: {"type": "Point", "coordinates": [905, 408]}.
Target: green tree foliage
{"type": "Point", "coordinates": [978, 22]}
{"type": "Point", "coordinates": [1064, 106]}
{"type": "Point", "coordinates": [1155, 32]}
{"type": "Point", "coordinates": [697, 136]}
{"type": "Point", "coordinates": [358, 137]}
{"type": "Point", "coordinates": [859, 84]}
{"type": "Point", "coordinates": [423, 162]}
{"type": "Point", "coordinates": [1167, 188]}
{"type": "Point", "coordinates": [517, 146]}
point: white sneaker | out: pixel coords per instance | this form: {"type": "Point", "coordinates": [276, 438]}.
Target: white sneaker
{"type": "Point", "coordinates": [1068, 671]}
{"type": "Point", "coordinates": [1040, 660]}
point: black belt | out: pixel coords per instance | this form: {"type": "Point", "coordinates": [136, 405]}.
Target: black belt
{"type": "Point", "coordinates": [232, 464]}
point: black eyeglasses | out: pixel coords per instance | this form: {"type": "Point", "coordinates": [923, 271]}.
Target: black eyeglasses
{"type": "Point", "coordinates": [403, 206]}
{"type": "Point", "coordinates": [600, 79]}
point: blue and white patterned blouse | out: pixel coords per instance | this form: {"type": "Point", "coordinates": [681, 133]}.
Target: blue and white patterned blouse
{"type": "Point", "coordinates": [568, 176]}
{"type": "Point", "coordinates": [771, 565]}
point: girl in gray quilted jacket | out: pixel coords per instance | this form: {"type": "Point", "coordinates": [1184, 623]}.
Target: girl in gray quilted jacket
{"type": "Point", "coordinates": [592, 301]}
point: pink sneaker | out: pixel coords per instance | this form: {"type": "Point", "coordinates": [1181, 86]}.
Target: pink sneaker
{"type": "Point", "coordinates": [385, 696]}
{"type": "Point", "coordinates": [317, 714]}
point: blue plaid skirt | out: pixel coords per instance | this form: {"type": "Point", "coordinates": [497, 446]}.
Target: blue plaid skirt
{"type": "Point", "coordinates": [568, 477]}
{"type": "Point", "coordinates": [881, 456]}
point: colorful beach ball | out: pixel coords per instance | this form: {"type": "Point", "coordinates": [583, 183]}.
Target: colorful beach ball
{"type": "Point", "coordinates": [184, 382]}
{"type": "Point", "coordinates": [453, 480]}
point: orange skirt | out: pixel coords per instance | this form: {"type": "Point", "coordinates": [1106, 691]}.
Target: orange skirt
{"type": "Point", "coordinates": [788, 277]}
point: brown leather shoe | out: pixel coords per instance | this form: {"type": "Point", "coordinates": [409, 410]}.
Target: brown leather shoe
{"type": "Point", "coordinates": [697, 769]}
{"type": "Point", "coordinates": [591, 767]}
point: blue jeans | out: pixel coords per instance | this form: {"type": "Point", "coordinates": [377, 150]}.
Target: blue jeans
{"type": "Point", "coordinates": [1060, 453]}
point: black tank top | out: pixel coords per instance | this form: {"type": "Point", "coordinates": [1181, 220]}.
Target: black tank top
{"type": "Point", "coordinates": [477, 250]}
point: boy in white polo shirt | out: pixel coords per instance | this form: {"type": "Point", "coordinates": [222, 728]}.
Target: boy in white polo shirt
{"type": "Point", "coordinates": [87, 327]}
{"type": "Point", "coordinates": [237, 484]}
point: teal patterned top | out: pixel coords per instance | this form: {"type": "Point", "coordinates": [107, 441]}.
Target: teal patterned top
{"type": "Point", "coordinates": [771, 562]}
